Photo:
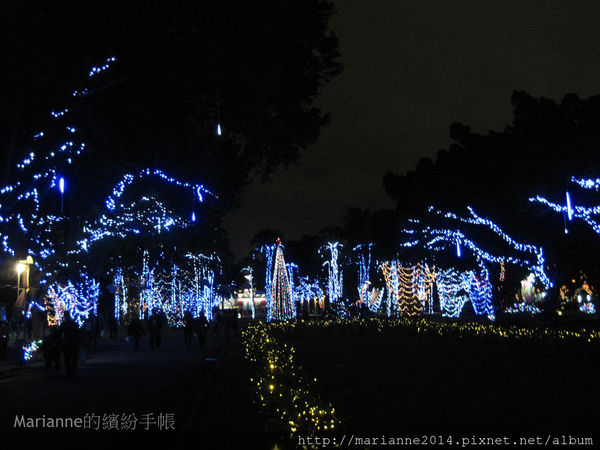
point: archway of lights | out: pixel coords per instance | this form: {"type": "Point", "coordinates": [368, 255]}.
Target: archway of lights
{"type": "Point", "coordinates": [27, 221]}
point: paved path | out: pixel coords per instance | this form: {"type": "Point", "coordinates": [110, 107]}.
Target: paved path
{"type": "Point", "coordinates": [116, 380]}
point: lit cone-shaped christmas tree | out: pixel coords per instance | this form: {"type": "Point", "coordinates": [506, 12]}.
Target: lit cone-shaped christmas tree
{"type": "Point", "coordinates": [282, 303]}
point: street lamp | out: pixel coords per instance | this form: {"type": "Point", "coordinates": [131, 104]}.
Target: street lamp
{"type": "Point", "coordinates": [23, 266]}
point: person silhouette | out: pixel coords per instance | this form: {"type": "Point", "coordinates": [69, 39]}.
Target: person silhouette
{"type": "Point", "coordinates": [51, 348]}
{"type": "Point", "coordinates": [188, 328]}
{"type": "Point", "coordinates": [135, 331]}
{"type": "Point", "coordinates": [69, 335]}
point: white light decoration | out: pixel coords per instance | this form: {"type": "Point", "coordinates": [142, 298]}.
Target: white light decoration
{"type": "Point", "coordinates": [363, 252]}
{"type": "Point", "coordinates": [336, 275]}
{"type": "Point", "coordinates": [21, 203]}
{"type": "Point", "coordinates": [292, 268]}
{"type": "Point", "coordinates": [371, 297]}
{"type": "Point", "coordinates": [128, 179]}
{"type": "Point", "coordinates": [308, 290]}
{"type": "Point", "coordinates": [190, 287]}
{"type": "Point", "coordinates": [79, 298]}
{"type": "Point", "coordinates": [147, 215]}
{"type": "Point", "coordinates": [282, 303]}
{"type": "Point", "coordinates": [120, 296]}
{"type": "Point", "coordinates": [455, 288]}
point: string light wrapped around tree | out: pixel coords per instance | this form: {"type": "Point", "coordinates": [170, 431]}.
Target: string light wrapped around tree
{"type": "Point", "coordinates": [589, 215]}
{"type": "Point", "coordinates": [410, 287]}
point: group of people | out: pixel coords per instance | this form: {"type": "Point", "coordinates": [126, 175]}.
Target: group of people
{"type": "Point", "coordinates": [63, 339]}
{"type": "Point", "coordinates": [63, 342]}
{"type": "Point", "coordinates": [226, 322]}
{"type": "Point", "coordinates": [193, 325]}
{"type": "Point", "coordinates": [154, 326]}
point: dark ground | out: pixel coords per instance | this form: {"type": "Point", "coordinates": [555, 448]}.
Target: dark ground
{"type": "Point", "coordinates": [209, 396]}
{"type": "Point", "coordinates": [400, 384]}
{"type": "Point", "coordinates": [416, 384]}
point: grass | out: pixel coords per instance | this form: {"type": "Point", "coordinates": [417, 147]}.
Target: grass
{"type": "Point", "coordinates": [402, 382]}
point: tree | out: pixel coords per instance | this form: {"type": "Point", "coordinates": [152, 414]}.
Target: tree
{"type": "Point", "coordinates": [547, 143]}
{"type": "Point", "coordinates": [281, 300]}
{"type": "Point", "coordinates": [184, 68]}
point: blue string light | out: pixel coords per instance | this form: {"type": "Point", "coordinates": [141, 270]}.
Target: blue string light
{"type": "Point", "coordinates": [335, 275]}
{"type": "Point", "coordinates": [22, 218]}
{"type": "Point", "coordinates": [437, 238]}
{"type": "Point", "coordinates": [269, 252]}
{"type": "Point", "coordinates": [587, 214]}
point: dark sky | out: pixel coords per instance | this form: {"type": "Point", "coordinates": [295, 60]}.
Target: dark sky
{"type": "Point", "coordinates": [412, 68]}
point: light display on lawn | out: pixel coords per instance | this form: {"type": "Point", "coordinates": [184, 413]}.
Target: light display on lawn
{"type": "Point", "coordinates": [578, 296]}
{"type": "Point", "coordinates": [281, 386]}
{"type": "Point", "coordinates": [522, 307]}
{"type": "Point", "coordinates": [371, 297]}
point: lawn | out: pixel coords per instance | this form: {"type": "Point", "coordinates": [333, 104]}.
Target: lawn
{"type": "Point", "coordinates": [401, 382]}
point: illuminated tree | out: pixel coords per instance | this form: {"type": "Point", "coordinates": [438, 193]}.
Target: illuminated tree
{"type": "Point", "coordinates": [282, 302]}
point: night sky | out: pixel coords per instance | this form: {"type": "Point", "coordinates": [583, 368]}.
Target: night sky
{"type": "Point", "coordinates": [412, 68]}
